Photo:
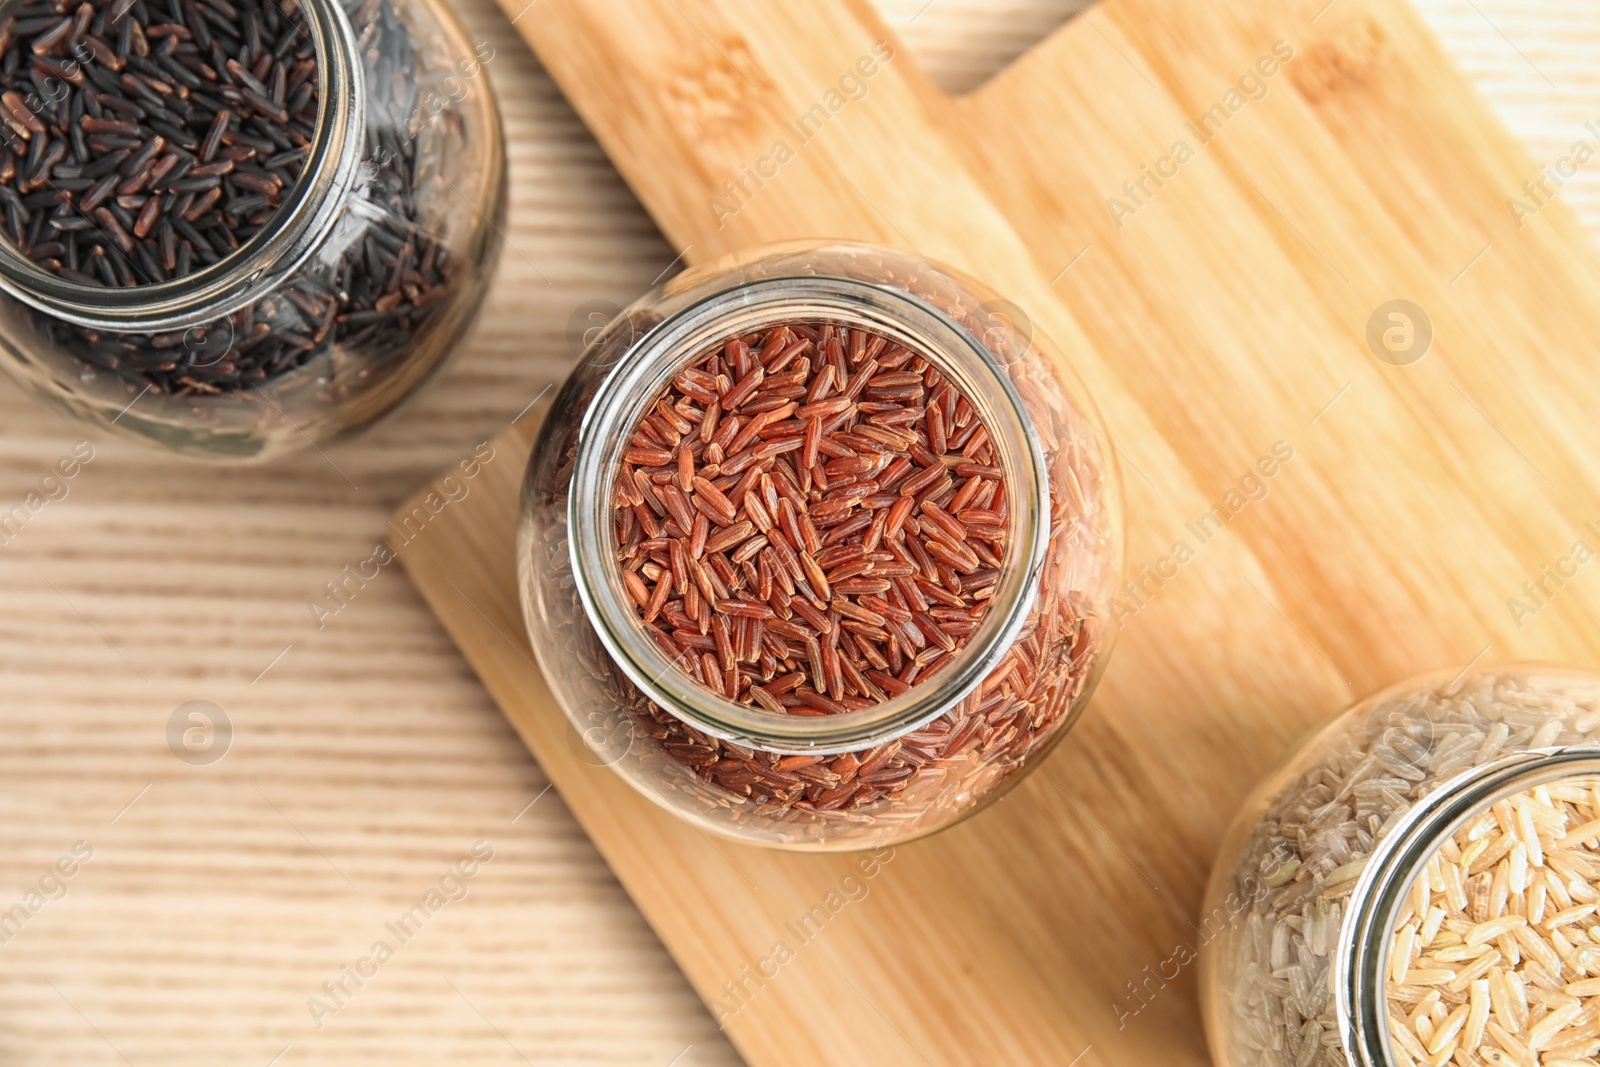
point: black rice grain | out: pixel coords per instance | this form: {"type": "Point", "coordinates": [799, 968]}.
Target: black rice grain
{"type": "Point", "coordinates": [86, 84]}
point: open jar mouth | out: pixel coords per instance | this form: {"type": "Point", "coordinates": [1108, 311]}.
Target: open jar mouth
{"type": "Point", "coordinates": [307, 214]}
{"type": "Point", "coordinates": [1361, 963]}
{"type": "Point", "coordinates": [627, 393]}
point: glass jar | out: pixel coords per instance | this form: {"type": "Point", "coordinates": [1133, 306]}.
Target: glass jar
{"type": "Point", "coordinates": [1340, 854]}
{"type": "Point", "coordinates": [297, 321]}
{"type": "Point", "coordinates": [956, 724]}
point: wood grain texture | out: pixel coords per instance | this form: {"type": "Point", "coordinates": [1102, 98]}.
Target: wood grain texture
{"type": "Point", "coordinates": [1216, 315]}
{"type": "Point", "coordinates": [215, 904]}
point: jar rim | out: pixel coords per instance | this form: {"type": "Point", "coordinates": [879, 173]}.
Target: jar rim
{"type": "Point", "coordinates": [740, 308]}
{"type": "Point", "coordinates": [294, 232]}
{"type": "Point", "coordinates": [1361, 961]}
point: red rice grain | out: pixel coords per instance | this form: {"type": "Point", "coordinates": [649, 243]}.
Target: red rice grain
{"type": "Point", "coordinates": [811, 521]}
{"type": "Point", "coordinates": [851, 456]}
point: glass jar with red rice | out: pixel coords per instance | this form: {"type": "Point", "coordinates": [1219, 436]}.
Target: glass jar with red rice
{"type": "Point", "coordinates": [818, 547]}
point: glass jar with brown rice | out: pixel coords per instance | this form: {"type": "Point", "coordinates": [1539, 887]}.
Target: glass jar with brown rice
{"type": "Point", "coordinates": [1418, 884]}
{"type": "Point", "coordinates": [818, 545]}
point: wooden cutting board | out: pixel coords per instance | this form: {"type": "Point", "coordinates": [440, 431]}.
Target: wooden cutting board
{"type": "Point", "coordinates": [1311, 162]}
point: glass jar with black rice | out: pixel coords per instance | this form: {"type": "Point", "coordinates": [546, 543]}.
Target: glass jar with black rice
{"type": "Point", "coordinates": [239, 227]}
{"type": "Point", "coordinates": [818, 545]}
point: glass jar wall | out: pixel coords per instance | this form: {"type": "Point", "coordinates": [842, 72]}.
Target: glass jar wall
{"type": "Point", "coordinates": [187, 261]}
{"type": "Point", "coordinates": [1416, 884]}
{"type": "Point", "coordinates": [818, 545]}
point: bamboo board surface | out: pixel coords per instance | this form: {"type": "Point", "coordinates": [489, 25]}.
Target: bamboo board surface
{"type": "Point", "coordinates": [217, 901]}
{"type": "Point", "coordinates": [1317, 165]}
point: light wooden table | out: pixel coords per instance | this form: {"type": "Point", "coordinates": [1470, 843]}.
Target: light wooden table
{"type": "Point", "coordinates": [365, 759]}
